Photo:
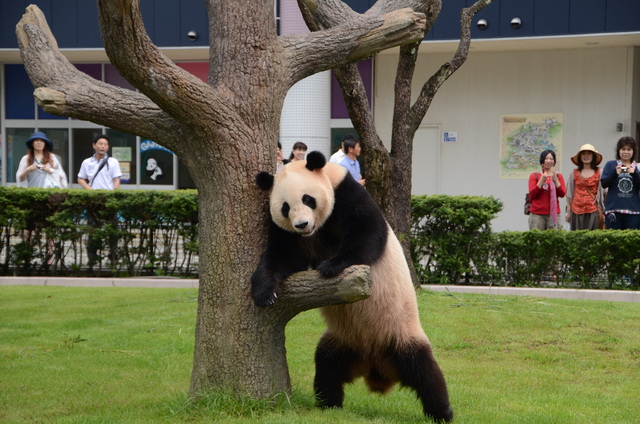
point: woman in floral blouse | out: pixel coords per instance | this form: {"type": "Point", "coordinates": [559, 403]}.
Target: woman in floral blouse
{"type": "Point", "coordinates": [585, 195]}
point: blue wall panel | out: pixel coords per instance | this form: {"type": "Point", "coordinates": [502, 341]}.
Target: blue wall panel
{"type": "Point", "coordinates": [10, 14]}
{"type": "Point", "coordinates": [621, 17]}
{"type": "Point", "coordinates": [522, 9]}
{"type": "Point", "coordinates": [18, 93]}
{"type": "Point", "coordinates": [360, 6]}
{"type": "Point", "coordinates": [491, 14]}
{"type": "Point", "coordinates": [551, 17]}
{"type": "Point", "coordinates": [65, 15]}
{"type": "Point", "coordinates": [193, 17]}
{"type": "Point", "coordinates": [88, 28]}
{"type": "Point", "coordinates": [166, 25]}
{"type": "Point", "coordinates": [447, 26]}
{"type": "Point", "coordinates": [587, 16]}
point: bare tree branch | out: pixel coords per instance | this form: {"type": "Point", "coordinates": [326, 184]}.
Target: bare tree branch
{"type": "Point", "coordinates": [131, 51]}
{"type": "Point", "coordinates": [358, 39]}
{"type": "Point", "coordinates": [307, 290]}
{"type": "Point", "coordinates": [328, 13]}
{"type": "Point", "coordinates": [428, 7]}
{"type": "Point", "coordinates": [68, 89]}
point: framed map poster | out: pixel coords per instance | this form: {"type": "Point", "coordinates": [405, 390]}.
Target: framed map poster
{"type": "Point", "coordinates": [523, 137]}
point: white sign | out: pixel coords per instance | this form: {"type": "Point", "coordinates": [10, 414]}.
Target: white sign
{"type": "Point", "coordinates": [449, 137]}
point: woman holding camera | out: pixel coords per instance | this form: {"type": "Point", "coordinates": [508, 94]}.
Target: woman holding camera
{"type": "Point", "coordinates": [545, 190]}
{"type": "Point", "coordinates": [621, 176]}
{"type": "Point", "coordinates": [40, 167]}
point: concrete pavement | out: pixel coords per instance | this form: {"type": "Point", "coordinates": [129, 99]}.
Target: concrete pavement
{"type": "Point", "coordinates": [167, 282]}
{"type": "Point", "coordinates": [155, 282]}
{"type": "Point", "coordinates": [584, 294]}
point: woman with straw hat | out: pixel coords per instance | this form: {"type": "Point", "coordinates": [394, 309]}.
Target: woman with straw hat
{"type": "Point", "coordinates": [585, 195]}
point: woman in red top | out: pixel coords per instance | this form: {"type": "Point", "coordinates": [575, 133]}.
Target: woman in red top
{"type": "Point", "coordinates": [585, 195]}
{"type": "Point", "coordinates": [545, 188]}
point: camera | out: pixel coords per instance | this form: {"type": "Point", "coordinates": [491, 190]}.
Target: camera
{"type": "Point", "coordinates": [623, 169]}
{"type": "Point", "coordinates": [40, 166]}
{"type": "Point", "coordinates": [192, 35]}
{"type": "Point", "coordinates": [516, 23]}
{"type": "Point", "coordinates": [482, 24]}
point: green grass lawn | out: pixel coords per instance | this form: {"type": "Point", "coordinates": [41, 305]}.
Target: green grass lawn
{"type": "Point", "coordinates": [124, 355]}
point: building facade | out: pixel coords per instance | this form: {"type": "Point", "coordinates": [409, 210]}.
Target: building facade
{"type": "Point", "coordinates": [540, 72]}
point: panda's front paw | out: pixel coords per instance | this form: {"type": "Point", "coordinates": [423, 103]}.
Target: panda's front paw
{"type": "Point", "coordinates": [331, 268]}
{"type": "Point", "coordinates": [265, 297]}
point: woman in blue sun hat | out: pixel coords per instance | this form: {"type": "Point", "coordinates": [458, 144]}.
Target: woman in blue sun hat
{"type": "Point", "coordinates": [40, 167]}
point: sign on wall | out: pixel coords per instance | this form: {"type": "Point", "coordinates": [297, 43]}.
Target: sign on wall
{"type": "Point", "coordinates": [156, 163]}
{"type": "Point", "coordinates": [523, 138]}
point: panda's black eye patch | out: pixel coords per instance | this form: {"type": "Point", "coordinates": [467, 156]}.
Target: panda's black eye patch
{"type": "Point", "coordinates": [285, 210]}
{"type": "Point", "coordinates": [309, 201]}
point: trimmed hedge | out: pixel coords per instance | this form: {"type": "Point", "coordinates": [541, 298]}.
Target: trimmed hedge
{"type": "Point", "coordinates": [132, 233]}
{"type": "Point", "coordinates": [452, 243]}
{"type": "Point", "coordinates": [586, 259]}
{"type": "Point", "coordinates": [85, 232]}
{"type": "Point", "coordinates": [451, 238]}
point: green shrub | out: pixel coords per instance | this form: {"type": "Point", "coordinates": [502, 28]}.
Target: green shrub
{"type": "Point", "coordinates": [452, 242]}
{"type": "Point", "coordinates": [98, 232]}
{"type": "Point", "coordinates": [450, 237]}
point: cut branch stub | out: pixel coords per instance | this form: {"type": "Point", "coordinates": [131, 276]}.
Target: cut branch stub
{"type": "Point", "coordinates": [51, 101]}
{"type": "Point", "coordinates": [308, 290]}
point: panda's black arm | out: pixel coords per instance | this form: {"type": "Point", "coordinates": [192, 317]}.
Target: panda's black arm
{"type": "Point", "coordinates": [361, 226]}
{"type": "Point", "coordinates": [279, 260]}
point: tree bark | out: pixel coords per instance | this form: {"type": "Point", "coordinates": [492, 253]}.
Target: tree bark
{"type": "Point", "coordinates": [225, 132]}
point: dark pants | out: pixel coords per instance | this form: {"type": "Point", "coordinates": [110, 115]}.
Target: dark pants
{"type": "Point", "coordinates": [622, 221]}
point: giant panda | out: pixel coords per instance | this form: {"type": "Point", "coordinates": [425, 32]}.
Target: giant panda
{"type": "Point", "coordinates": [324, 220]}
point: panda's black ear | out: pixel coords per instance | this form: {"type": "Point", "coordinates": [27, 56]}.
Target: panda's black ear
{"type": "Point", "coordinates": [315, 160]}
{"type": "Point", "coordinates": [264, 180]}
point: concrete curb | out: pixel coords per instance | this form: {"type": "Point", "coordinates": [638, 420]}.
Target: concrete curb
{"type": "Point", "coordinates": [100, 282]}
{"type": "Point", "coordinates": [582, 294]}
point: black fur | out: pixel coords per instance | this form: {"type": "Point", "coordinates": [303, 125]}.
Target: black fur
{"type": "Point", "coordinates": [264, 180]}
{"type": "Point", "coordinates": [354, 234]}
{"type": "Point", "coordinates": [413, 366]}
{"type": "Point", "coordinates": [315, 160]}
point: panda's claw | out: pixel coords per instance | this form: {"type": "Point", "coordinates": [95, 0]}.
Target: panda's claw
{"type": "Point", "coordinates": [267, 298]}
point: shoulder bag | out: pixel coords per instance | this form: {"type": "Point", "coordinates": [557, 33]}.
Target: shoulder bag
{"type": "Point", "coordinates": [106, 159]}
{"type": "Point", "coordinates": [527, 200]}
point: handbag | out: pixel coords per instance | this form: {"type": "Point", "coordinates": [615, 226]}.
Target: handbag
{"type": "Point", "coordinates": [51, 180]}
{"type": "Point", "coordinates": [527, 200]}
{"type": "Point", "coordinates": [57, 178]}
{"type": "Point", "coordinates": [527, 203]}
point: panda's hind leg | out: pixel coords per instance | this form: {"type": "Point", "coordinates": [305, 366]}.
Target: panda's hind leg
{"type": "Point", "coordinates": [334, 368]}
{"type": "Point", "coordinates": [417, 368]}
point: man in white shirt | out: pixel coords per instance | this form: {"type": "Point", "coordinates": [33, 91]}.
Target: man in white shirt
{"type": "Point", "coordinates": [338, 156]}
{"type": "Point", "coordinates": [100, 172]}
{"type": "Point", "coordinates": [352, 151]}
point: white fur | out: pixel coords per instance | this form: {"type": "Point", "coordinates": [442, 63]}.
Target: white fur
{"type": "Point", "coordinates": [292, 183]}
{"type": "Point", "coordinates": [390, 314]}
